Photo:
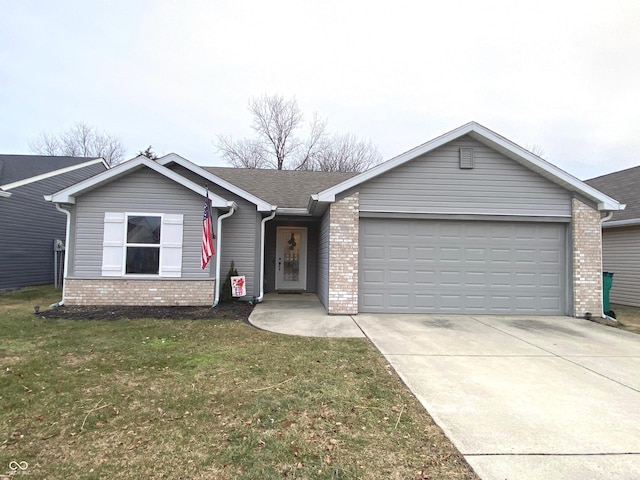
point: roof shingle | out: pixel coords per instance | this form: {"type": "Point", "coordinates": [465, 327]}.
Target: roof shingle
{"type": "Point", "coordinates": [284, 188]}
{"type": "Point", "coordinates": [14, 168]}
{"type": "Point", "coordinates": [624, 186]}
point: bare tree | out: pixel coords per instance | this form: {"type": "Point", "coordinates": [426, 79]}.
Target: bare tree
{"type": "Point", "coordinates": [276, 145]}
{"type": "Point", "coordinates": [346, 153]}
{"type": "Point", "coordinates": [245, 153]}
{"type": "Point", "coordinates": [81, 140]}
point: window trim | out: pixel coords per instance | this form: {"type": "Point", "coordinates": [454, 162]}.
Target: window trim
{"type": "Point", "coordinates": [126, 245]}
{"type": "Point", "coordinates": [172, 238]}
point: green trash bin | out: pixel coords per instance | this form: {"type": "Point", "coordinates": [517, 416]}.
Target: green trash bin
{"type": "Point", "coordinates": [607, 282]}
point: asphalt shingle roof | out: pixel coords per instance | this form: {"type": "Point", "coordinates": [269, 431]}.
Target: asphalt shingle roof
{"type": "Point", "coordinates": [14, 168]}
{"type": "Point", "coordinates": [624, 186]}
{"type": "Point", "coordinates": [284, 188]}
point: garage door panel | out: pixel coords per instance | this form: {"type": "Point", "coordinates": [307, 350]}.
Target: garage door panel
{"type": "Point", "coordinates": [525, 255]}
{"type": "Point", "coordinates": [471, 267]}
{"type": "Point", "coordinates": [550, 280]}
{"type": "Point", "coordinates": [450, 278]}
{"type": "Point", "coordinates": [399, 301]}
{"type": "Point", "coordinates": [424, 301]}
{"type": "Point", "coordinates": [476, 255]}
{"type": "Point", "coordinates": [500, 279]}
{"type": "Point", "coordinates": [373, 277]}
{"type": "Point", "coordinates": [550, 304]}
{"type": "Point", "coordinates": [475, 279]}
{"type": "Point", "coordinates": [502, 255]}
{"type": "Point", "coordinates": [549, 256]}
{"type": "Point", "coordinates": [401, 253]}
{"type": "Point", "coordinates": [451, 231]}
{"type": "Point", "coordinates": [525, 280]}
{"type": "Point", "coordinates": [398, 278]}
{"type": "Point", "coordinates": [501, 232]}
{"type": "Point", "coordinates": [373, 253]}
{"type": "Point", "coordinates": [424, 278]}
{"type": "Point", "coordinates": [372, 302]}
{"type": "Point", "coordinates": [526, 304]}
{"type": "Point", "coordinates": [424, 254]}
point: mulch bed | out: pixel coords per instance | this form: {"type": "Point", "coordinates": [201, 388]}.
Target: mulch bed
{"type": "Point", "coordinates": [228, 310]}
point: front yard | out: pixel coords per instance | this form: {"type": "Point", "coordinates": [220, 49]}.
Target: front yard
{"type": "Point", "coordinates": [145, 398]}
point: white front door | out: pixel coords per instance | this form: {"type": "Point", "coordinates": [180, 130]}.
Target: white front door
{"type": "Point", "coordinates": [291, 258]}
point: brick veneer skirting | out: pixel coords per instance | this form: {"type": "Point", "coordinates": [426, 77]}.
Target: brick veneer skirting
{"type": "Point", "coordinates": [587, 259]}
{"type": "Point", "coordinates": [343, 256]}
{"type": "Point", "coordinates": [138, 292]}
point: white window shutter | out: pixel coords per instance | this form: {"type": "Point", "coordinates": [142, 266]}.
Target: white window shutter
{"type": "Point", "coordinates": [171, 242]}
{"type": "Point", "coordinates": [113, 244]}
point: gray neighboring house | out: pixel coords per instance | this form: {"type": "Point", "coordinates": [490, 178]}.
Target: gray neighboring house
{"type": "Point", "coordinates": [621, 235]}
{"type": "Point", "coordinates": [468, 222]}
{"type": "Point", "coordinates": [29, 224]}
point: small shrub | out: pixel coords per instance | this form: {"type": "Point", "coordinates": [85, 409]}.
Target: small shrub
{"type": "Point", "coordinates": [225, 291]}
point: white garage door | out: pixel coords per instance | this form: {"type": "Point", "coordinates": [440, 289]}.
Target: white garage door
{"type": "Point", "coordinates": [471, 267]}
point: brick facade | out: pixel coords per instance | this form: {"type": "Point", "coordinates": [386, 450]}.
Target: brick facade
{"type": "Point", "coordinates": [587, 259]}
{"type": "Point", "coordinates": [343, 256]}
{"type": "Point", "coordinates": [138, 292]}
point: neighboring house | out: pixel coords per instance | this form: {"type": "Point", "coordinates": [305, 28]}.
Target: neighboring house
{"type": "Point", "coordinates": [29, 225]}
{"type": "Point", "coordinates": [621, 235]}
{"type": "Point", "coordinates": [466, 223]}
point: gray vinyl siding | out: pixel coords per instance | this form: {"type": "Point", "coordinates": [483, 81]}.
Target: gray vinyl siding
{"type": "Point", "coordinates": [621, 255]}
{"type": "Point", "coordinates": [240, 234]}
{"type": "Point", "coordinates": [143, 191]}
{"type": "Point", "coordinates": [323, 260]}
{"type": "Point", "coordinates": [434, 183]}
{"type": "Point", "coordinates": [29, 227]}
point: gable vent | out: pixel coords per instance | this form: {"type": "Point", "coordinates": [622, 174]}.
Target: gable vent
{"type": "Point", "coordinates": [466, 158]}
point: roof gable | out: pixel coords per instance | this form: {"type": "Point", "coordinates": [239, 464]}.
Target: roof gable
{"type": "Point", "coordinates": [493, 140]}
{"type": "Point", "coordinates": [261, 204]}
{"type": "Point", "coordinates": [68, 195]}
{"type": "Point", "coordinates": [624, 185]}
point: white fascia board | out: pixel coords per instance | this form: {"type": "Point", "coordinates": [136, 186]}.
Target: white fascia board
{"type": "Point", "coordinates": [301, 212]}
{"type": "Point", "coordinates": [260, 204]}
{"type": "Point", "coordinates": [4, 194]}
{"type": "Point", "coordinates": [492, 139]}
{"type": "Point", "coordinates": [52, 173]}
{"type": "Point", "coordinates": [68, 195]}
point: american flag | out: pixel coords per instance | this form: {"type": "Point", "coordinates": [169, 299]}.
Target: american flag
{"type": "Point", "coordinates": [207, 235]}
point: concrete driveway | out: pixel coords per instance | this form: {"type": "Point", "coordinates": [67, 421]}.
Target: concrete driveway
{"type": "Point", "coordinates": [523, 398]}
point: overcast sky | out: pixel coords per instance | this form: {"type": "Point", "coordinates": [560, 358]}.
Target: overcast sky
{"type": "Point", "coordinates": [560, 75]}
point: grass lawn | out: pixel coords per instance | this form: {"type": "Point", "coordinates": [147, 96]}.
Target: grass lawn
{"type": "Point", "coordinates": [180, 399]}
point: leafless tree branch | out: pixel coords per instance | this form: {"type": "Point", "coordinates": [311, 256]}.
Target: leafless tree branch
{"type": "Point", "coordinates": [81, 140]}
{"type": "Point", "coordinates": [276, 122]}
{"type": "Point", "coordinates": [243, 153]}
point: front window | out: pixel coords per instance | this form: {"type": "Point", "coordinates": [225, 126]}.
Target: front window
{"type": "Point", "coordinates": [143, 245]}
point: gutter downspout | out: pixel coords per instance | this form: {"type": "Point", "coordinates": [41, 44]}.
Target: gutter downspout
{"type": "Point", "coordinates": [216, 297]}
{"type": "Point", "coordinates": [66, 255]}
{"type": "Point", "coordinates": [602, 220]}
{"type": "Point", "coordinates": [262, 246]}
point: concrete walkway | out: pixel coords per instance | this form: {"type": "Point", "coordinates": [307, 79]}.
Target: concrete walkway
{"type": "Point", "coordinates": [522, 398]}
{"type": "Point", "coordinates": [301, 314]}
